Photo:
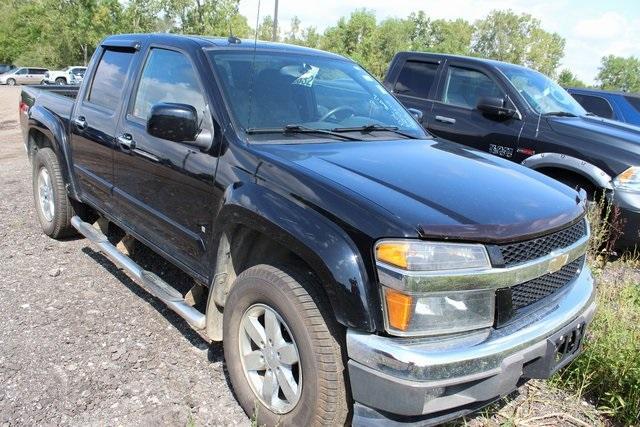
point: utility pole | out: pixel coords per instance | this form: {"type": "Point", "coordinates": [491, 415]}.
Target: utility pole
{"type": "Point", "coordinates": [275, 24]}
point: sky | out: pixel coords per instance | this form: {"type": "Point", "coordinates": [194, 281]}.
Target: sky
{"type": "Point", "coordinates": [592, 28]}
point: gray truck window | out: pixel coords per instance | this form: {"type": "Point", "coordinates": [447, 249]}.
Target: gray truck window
{"type": "Point", "coordinates": [416, 79]}
{"type": "Point", "coordinates": [464, 87]}
{"type": "Point", "coordinates": [168, 76]}
{"type": "Point", "coordinates": [595, 104]}
{"type": "Point", "coordinates": [634, 101]}
{"type": "Point", "coordinates": [108, 82]}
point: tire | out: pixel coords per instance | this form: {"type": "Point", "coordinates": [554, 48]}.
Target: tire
{"type": "Point", "coordinates": [11, 82]}
{"type": "Point", "coordinates": [309, 324]}
{"type": "Point", "coordinates": [61, 81]}
{"type": "Point", "coordinates": [53, 207]}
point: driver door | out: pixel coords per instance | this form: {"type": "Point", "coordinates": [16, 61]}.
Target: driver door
{"type": "Point", "coordinates": [455, 115]}
{"type": "Point", "coordinates": [165, 189]}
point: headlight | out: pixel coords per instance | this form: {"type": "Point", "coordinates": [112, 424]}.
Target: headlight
{"type": "Point", "coordinates": [409, 313]}
{"type": "Point", "coordinates": [628, 180]}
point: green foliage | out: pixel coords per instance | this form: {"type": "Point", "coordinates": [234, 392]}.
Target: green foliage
{"type": "Point", "coordinates": [567, 79]}
{"type": "Point", "coordinates": [609, 370]}
{"type": "Point", "coordinates": [507, 36]}
{"type": "Point", "coordinates": [618, 73]}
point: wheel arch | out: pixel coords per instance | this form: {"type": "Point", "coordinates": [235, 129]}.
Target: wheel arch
{"type": "Point", "coordinates": [562, 163]}
{"type": "Point", "coordinates": [277, 230]}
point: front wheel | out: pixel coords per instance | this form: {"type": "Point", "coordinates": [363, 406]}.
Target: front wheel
{"type": "Point", "coordinates": [61, 81]}
{"type": "Point", "coordinates": [282, 349]}
{"type": "Point", "coordinates": [52, 204]}
{"type": "Point", "coordinates": [11, 82]}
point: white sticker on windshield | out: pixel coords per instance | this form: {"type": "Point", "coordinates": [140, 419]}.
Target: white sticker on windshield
{"type": "Point", "coordinates": [307, 78]}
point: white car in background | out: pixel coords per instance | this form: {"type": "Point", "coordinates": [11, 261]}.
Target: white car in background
{"type": "Point", "coordinates": [70, 75]}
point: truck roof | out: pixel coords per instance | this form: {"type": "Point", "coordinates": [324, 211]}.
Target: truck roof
{"type": "Point", "coordinates": [221, 42]}
{"type": "Point", "coordinates": [603, 91]}
{"type": "Point", "coordinates": [472, 59]}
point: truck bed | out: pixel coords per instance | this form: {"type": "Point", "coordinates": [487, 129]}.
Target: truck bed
{"type": "Point", "coordinates": [59, 100]}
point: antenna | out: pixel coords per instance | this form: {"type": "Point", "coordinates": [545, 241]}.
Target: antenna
{"type": "Point", "coordinates": [232, 39]}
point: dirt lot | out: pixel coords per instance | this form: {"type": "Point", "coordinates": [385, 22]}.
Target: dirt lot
{"type": "Point", "coordinates": [82, 344]}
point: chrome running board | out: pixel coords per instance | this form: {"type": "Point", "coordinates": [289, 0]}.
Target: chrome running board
{"type": "Point", "coordinates": [148, 280]}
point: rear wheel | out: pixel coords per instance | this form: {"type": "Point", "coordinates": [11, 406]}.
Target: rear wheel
{"type": "Point", "coordinates": [52, 204]}
{"type": "Point", "coordinates": [282, 349]}
{"type": "Point", "coordinates": [11, 82]}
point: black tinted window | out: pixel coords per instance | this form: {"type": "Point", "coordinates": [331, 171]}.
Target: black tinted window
{"type": "Point", "coordinates": [416, 79]}
{"type": "Point", "coordinates": [595, 104]}
{"type": "Point", "coordinates": [37, 71]}
{"type": "Point", "coordinates": [108, 82]}
{"type": "Point", "coordinates": [168, 76]}
{"type": "Point", "coordinates": [465, 87]}
{"type": "Point", "coordinates": [634, 101]}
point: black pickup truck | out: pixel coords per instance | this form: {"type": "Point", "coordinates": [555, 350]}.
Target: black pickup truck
{"type": "Point", "coordinates": [358, 269]}
{"type": "Point", "coordinates": [520, 114]}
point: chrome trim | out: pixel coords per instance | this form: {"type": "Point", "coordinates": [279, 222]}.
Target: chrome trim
{"type": "Point", "coordinates": [475, 279]}
{"type": "Point", "coordinates": [450, 360]}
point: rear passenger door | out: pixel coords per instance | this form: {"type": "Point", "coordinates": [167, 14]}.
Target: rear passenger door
{"type": "Point", "coordinates": [415, 85]}
{"type": "Point", "coordinates": [165, 189]}
{"type": "Point", "coordinates": [94, 122]}
{"type": "Point", "coordinates": [455, 115]}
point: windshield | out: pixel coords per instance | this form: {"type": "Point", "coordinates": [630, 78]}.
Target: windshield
{"type": "Point", "coordinates": [283, 90]}
{"type": "Point", "coordinates": [543, 94]}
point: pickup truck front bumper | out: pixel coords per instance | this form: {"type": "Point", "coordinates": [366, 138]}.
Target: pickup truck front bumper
{"type": "Point", "coordinates": [428, 381]}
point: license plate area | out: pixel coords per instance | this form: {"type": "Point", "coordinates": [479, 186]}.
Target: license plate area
{"type": "Point", "coordinates": [567, 344]}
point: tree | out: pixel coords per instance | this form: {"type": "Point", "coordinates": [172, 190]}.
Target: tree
{"type": "Point", "coordinates": [352, 37]}
{"type": "Point", "coordinates": [507, 36]}
{"type": "Point", "coordinates": [440, 35]}
{"type": "Point", "coordinates": [567, 79]}
{"type": "Point", "coordinates": [619, 73]}
{"type": "Point", "coordinates": [265, 29]}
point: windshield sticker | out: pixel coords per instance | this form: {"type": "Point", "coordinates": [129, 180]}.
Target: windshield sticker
{"type": "Point", "coordinates": [307, 78]}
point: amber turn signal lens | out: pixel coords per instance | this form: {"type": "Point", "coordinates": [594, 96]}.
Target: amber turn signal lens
{"type": "Point", "coordinates": [393, 253]}
{"type": "Point", "coordinates": [399, 308]}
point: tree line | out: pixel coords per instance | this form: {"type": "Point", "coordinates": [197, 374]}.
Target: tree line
{"type": "Point", "coordinates": [56, 33]}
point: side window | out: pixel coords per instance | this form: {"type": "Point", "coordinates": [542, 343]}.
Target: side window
{"type": "Point", "coordinates": [596, 105]}
{"type": "Point", "coordinates": [168, 76]}
{"type": "Point", "coordinates": [634, 101]}
{"type": "Point", "coordinates": [21, 71]}
{"type": "Point", "coordinates": [108, 81]}
{"type": "Point", "coordinates": [464, 87]}
{"type": "Point", "coordinates": [416, 79]}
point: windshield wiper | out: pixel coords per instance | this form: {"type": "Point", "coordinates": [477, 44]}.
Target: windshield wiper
{"type": "Point", "coordinates": [560, 114]}
{"type": "Point", "coordinates": [375, 128]}
{"type": "Point", "coordinates": [292, 129]}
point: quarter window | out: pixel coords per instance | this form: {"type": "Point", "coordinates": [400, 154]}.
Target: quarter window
{"type": "Point", "coordinates": [416, 79]}
{"type": "Point", "coordinates": [465, 87]}
{"type": "Point", "coordinates": [108, 82]}
{"type": "Point", "coordinates": [168, 76]}
{"type": "Point", "coordinates": [595, 104]}
{"type": "Point", "coordinates": [634, 101]}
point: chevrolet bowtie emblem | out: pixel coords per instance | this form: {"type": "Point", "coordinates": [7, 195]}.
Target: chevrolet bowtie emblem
{"type": "Point", "coordinates": [557, 263]}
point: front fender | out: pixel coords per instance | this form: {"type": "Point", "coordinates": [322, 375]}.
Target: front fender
{"type": "Point", "coordinates": [47, 123]}
{"type": "Point", "coordinates": [322, 244]}
{"type": "Point", "coordinates": [591, 172]}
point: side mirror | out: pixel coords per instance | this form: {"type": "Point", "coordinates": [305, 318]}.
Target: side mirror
{"type": "Point", "coordinates": [494, 106]}
{"type": "Point", "coordinates": [417, 114]}
{"type": "Point", "coordinates": [173, 122]}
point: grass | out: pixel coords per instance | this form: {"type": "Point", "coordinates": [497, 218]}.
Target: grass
{"type": "Point", "coordinates": [608, 373]}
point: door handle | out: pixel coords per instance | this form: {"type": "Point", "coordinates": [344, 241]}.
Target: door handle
{"type": "Point", "coordinates": [126, 141]}
{"type": "Point", "coordinates": [444, 119]}
{"type": "Point", "coordinates": [80, 122]}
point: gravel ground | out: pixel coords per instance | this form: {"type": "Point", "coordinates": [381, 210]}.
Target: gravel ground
{"type": "Point", "coordinates": [82, 344]}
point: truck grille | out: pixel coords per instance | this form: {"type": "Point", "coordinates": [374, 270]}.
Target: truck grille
{"type": "Point", "coordinates": [530, 292]}
{"type": "Point", "coordinates": [515, 253]}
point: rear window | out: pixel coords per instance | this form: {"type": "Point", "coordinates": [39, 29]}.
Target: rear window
{"type": "Point", "coordinates": [416, 79]}
{"type": "Point", "coordinates": [634, 101]}
{"type": "Point", "coordinates": [595, 104]}
{"type": "Point", "coordinates": [108, 82]}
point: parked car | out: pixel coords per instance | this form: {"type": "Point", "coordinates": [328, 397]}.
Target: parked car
{"type": "Point", "coordinates": [620, 106]}
{"type": "Point", "coordinates": [6, 68]}
{"type": "Point", "coordinates": [23, 76]}
{"type": "Point", "coordinates": [77, 77]}
{"type": "Point", "coordinates": [342, 253]}
{"type": "Point", "coordinates": [522, 115]}
{"type": "Point", "coordinates": [64, 77]}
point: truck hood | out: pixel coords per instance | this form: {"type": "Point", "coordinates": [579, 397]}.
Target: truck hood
{"type": "Point", "coordinates": [618, 135]}
{"type": "Point", "coordinates": [438, 189]}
